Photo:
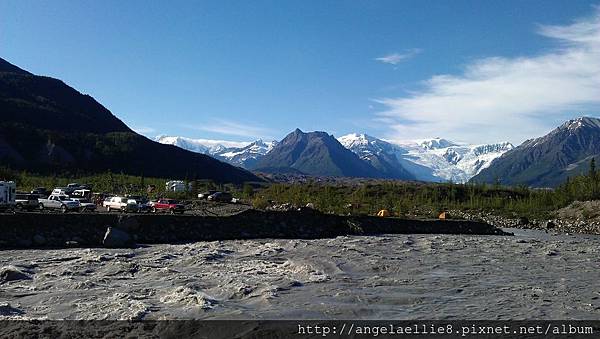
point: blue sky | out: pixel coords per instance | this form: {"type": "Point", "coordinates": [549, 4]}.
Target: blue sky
{"type": "Point", "coordinates": [473, 71]}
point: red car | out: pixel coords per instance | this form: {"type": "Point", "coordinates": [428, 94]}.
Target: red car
{"type": "Point", "coordinates": [168, 205]}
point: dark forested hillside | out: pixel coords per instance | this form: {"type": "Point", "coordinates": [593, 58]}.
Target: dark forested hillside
{"type": "Point", "coordinates": [48, 127]}
{"type": "Point", "coordinates": [549, 160]}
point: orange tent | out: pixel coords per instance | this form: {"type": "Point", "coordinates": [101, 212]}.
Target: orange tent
{"type": "Point", "coordinates": [383, 213]}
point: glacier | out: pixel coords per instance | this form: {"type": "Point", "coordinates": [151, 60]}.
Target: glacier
{"type": "Point", "coordinates": [435, 159]}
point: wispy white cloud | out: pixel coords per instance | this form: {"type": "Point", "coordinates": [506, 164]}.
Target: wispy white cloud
{"type": "Point", "coordinates": [396, 58]}
{"type": "Point", "coordinates": [232, 128]}
{"type": "Point", "coordinates": [502, 98]}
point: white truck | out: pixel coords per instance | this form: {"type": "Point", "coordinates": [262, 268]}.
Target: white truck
{"type": "Point", "coordinates": [60, 202]}
{"type": "Point", "coordinates": [8, 193]}
{"type": "Point", "coordinates": [122, 204]}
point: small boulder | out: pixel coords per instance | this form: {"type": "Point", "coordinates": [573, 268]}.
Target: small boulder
{"type": "Point", "coordinates": [550, 224]}
{"type": "Point", "coordinates": [11, 273]}
{"type": "Point", "coordinates": [523, 221]}
{"type": "Point", "coordinates": [116, 238]}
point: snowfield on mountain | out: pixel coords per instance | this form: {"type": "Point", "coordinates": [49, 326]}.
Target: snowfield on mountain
{"type": "Point", "coordinates": [434, 159]}
{"type": "Point", "coordinates": [243, 154]}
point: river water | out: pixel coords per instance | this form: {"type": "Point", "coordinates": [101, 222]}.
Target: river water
{"type": "Point", "coordinates": [532, 275]}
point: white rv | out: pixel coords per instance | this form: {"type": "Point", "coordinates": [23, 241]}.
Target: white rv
{"type": "Point", "coordinates": [8, 193]}
{"type": "Point", "coordinates": [175, 186]}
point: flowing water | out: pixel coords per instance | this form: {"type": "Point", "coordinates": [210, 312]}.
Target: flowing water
{"type": "Point", "coordinates": [530, 275]}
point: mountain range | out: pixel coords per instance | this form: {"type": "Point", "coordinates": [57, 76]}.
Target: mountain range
{"type": "Point", "coordinates": [546, 161]}
{"type": "Point", "coordinates": [49, 127]}
{"type": "Point", "coordinates": [318, 153]}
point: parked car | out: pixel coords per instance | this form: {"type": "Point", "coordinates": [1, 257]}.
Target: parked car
{"type": "Point", "coordinates": [85, 205]}
{"type": "Point", "coordinates": [72, 187]}
{"type": "Point", "coordinates": [76, 186]}
{"type": "Point", "coordinates": [60, 191]}
{"type": "Point", "coordinates": [143, 203]}
{"type": "Point", "coordinates": [26, 201]}
{"type": "Point", "coordinates": [81, 193]}
{"type": "Point", "coordinates": [220, 197]}
{"type": "Point", "coordinates": [41, 192]}
{"type": "Point", "coordinates": [205, 195]}
{"type": "Point", "coordinates": [60, 202]}
{"type": "Point", "coordinates": [168, 205]}
{"type": "Point", "coordinates": [122, 204]}
{"type": "Point", "coordinates": [99, 198]}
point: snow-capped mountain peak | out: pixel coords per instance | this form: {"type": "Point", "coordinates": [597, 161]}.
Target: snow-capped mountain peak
{"type": "Point", "coordinates": [355, 139]}
{"type": "Point", "coordinates": [205, 146]}
{"type": "Point", "coordinates": [569, 128]}
{"type": "Point", "coordinates": [236, 153]}
{"type": "Point", "coordinates": [365, 145]}
{"type": "Point", "coordinates": [436, 143]}
{"type": "Point", "coordinates": [261, 145]}
{"type": "Point", "coordinates": [581, 122]}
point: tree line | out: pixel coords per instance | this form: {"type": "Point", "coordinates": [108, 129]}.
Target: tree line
{"type": "Point", "coordinates": [352, 197]}
{"type": "Point", "coordinates": [403, 198]}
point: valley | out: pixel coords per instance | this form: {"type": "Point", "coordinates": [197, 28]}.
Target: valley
{"type": "Point", "coordinates": [272, 169]}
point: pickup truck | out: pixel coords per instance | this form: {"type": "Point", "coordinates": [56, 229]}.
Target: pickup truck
{"type": "Point", "coordinates": [40, 192]}
{"type": "Point", "coordinates": [85, 205]}
{"type": "Point", "coordinates": [60, 202]}
{"type": "Point", "coordinates": [122, 204]}
{"type": "Point", "coordinates": [26, 201]}
{"type": "Point", "coordinates": [168, 205]}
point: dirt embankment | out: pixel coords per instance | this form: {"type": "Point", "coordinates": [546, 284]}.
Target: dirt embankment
{"type": "Point", "coordinates": [90, 230]}
{"type": "Point", "coordinates": [578, 217]}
